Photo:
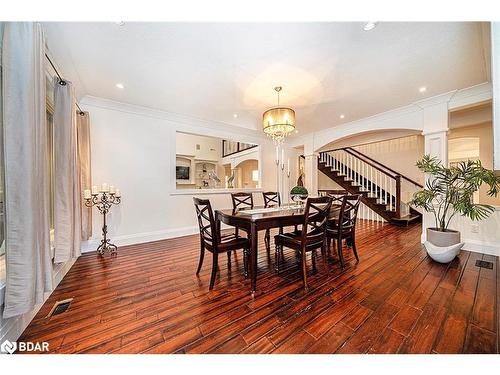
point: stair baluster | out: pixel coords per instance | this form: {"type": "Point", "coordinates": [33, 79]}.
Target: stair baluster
{"type": "Point", "coordinates": [391, 193]}
{"type": "Point", "coordinates": [379, 185]}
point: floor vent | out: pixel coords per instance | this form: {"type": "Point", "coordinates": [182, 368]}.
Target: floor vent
{"type": "Point", "coordinates": [60, 307]}
{"type": "Point", "coordinates": [484, 264]}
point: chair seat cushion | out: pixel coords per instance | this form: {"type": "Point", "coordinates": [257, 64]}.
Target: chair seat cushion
{"type": "Point", "coordinates": [335, 232]}
{"type": "Point", "coordinates": [293, 240]}
{"type": "Point", "coordinates": [228, 243]}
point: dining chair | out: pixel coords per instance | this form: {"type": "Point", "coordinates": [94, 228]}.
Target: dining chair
{"type": "Point", "coordinates": [344, 226]}
{"type": "Point", "coordinates": [212, 240]}
{"type": "Point", "coordinates": [241, 200]}
{"type": "Point", "coordinates": [271, 199]}
{"type": "Point", "coordinates": [312, 236]}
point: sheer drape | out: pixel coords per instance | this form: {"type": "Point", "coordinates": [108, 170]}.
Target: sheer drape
{"type": "Point", "coordinates": [68, 197]}
{"type": "Point", "coordinates": [29, 268]}
{"type": "Point", "coordinates": [83, 136]}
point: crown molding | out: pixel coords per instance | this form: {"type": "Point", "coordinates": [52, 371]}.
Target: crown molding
{"type": "Point", "coordinates": [436, 99]}
{"type": "Point", "coordinates": [471, 95]}
{"type": "Point", "coordinates": [174, 118]}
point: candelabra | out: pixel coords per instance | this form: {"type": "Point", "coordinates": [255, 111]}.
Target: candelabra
{"type": "Point", "coordinates": [277, 171]}
{"type": "Point", "coordinates": [280, 175]}
{"type": "Point", "coordinates": [103, 200]}
{"type": "Point", "coordinates": [288, 187]}
{"type": "Point", "coordinates": [282, 190]}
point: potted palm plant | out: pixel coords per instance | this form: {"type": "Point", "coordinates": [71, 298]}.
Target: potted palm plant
{"type": "Point", "coordinates": [448, 192]}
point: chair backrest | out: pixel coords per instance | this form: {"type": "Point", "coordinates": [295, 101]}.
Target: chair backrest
{"type": "Point", "coordinates": [206, 221]}
{"type": "Point", "coordinates": [349, 211]}
{"type": "Point", "coordinates": [271, 198]}
{"type": "Point", "coordinates": [337, 199]}
{"type": "Point", "coordinates": [242, 200]}
{"type": "Point", "coordinates": [315, 218]}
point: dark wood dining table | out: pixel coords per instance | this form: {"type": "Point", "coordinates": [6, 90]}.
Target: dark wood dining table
{"type": "Point", "coordinates": [253, 220]}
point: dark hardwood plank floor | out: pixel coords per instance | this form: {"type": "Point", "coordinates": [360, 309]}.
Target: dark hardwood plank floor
{"type": "Point", "coordinates": [395, 300]}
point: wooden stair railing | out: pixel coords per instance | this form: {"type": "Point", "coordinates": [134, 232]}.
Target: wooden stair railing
{"type": "Point", "coordinates": [379, 185]}
{"type": "Point", "coordinates": [366, 157]}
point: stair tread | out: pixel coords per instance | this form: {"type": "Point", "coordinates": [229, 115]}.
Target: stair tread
{"type": "Point", "coordinates": [406, 219]}
{"type": "Point", "coordinates": [371, 200]}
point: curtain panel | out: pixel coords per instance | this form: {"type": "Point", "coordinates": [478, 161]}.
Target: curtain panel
{"type": "Point", "coordinates": [28, 263]}
{"type": "Point", "coordinates": [67, 191]}
{"type": "Point", "coordinates": [83, 136]}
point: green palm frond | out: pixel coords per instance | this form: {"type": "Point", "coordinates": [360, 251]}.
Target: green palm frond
{"type": "Point", "coordinates": [450, 190]}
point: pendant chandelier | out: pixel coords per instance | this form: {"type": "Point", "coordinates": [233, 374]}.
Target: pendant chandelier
{"type": "Point", "coordinates": [278, 122]}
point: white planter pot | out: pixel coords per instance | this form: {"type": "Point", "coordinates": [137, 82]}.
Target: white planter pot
{"type": "Point", "coordinates": [443, 247]}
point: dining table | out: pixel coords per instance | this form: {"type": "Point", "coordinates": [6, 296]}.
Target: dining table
{"type": "Point", "coordinates": [252, 220]}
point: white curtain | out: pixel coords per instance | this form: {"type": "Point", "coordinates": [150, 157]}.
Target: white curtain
{"type": "Point", "coordinates": [83, 136]}
{"type": "Point", "coordinates": [29, 268]}
{"type": "Point", "coordinates": [67, 192]}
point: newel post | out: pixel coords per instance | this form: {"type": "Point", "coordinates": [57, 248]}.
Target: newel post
{"type": "Point", "coordinates": [398, 196]}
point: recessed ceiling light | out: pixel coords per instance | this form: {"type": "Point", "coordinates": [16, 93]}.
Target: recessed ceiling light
{"type": "Point", "coordinates": [370, 25]}
{"type": "Point", "coordinates": [235, 115]}
{"type": "Point", "coordinates": [120, 85]}
{"type": "Point", "coordinates": [422, 89]}
{"type": "Point", "coordinates": [342, 116]}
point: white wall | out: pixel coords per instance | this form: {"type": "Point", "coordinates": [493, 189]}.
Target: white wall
{"type": "Point", "coordinates": [400, 154]}
{"type": "Point", "coordinates": [481, 236]}
{"type": "Point", "coordinates": [326, 183]}
{"type": "Point", "coordinates": [134, 149]}
{"type": "Point", "coordinates": [210, 147]}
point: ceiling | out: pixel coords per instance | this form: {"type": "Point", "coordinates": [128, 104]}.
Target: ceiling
{"type": "Point", "coordinates": [226, 72]}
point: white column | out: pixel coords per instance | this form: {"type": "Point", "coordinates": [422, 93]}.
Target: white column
{"type": "Point", "coordinates": [495, 75]}
{"type": "Point", "coordinates": [435, 121]}
{"type": "Point", "coordinates": [311, 172]}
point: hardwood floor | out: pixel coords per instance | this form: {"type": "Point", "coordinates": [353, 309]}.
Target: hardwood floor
{"type": "Point", "coordinates": [396, 300]}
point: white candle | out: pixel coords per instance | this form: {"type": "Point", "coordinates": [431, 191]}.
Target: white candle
{"type": "Point", "coordinates": [104, 187]}
{"type": "Point", "coordinates": [86, 194]}
{"type": "Point", "coordinates": [277, 154]}
{"type": "Point", "coordinates": [94, 190]}
{"type": "Point", "coordinates": [118, 194]}
{"type": "Point", "coordinates": [282, 157]}
{"type": "Point", "coordinates": [288, 166]}
{"type": "Point", "coordinates": [111, 189]}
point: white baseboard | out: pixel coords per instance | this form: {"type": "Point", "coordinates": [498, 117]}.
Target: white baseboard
{"type": "Point", "coordinates": [482, 247]}
{"type": "Point", "coordinates": [137, 238]}
{"type": "Point", "coordinates": [12, 328]}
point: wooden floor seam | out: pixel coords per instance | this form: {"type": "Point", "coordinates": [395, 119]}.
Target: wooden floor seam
{"type": "Point", "coordinates": [395, 300]}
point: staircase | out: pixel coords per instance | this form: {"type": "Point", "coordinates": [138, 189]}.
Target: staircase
{"type": "Point", "coordinates": [381, 187]}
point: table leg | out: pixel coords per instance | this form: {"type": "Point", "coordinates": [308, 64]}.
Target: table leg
{"type": "Point", "coordinates": [254, 239]}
